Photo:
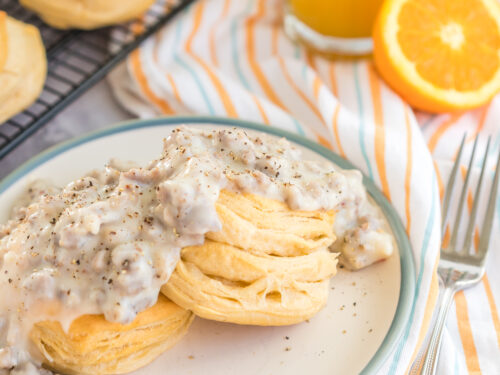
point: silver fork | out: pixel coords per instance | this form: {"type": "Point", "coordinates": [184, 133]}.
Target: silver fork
{"type": "Point", "coordinates": [459, 268]}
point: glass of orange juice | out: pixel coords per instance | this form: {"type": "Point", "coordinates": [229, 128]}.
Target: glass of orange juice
{"type": "Point", "coordinates": [332, 26]}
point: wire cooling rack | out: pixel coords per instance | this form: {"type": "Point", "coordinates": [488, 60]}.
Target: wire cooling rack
{"type": "Point", "coordinates": [76, 61]}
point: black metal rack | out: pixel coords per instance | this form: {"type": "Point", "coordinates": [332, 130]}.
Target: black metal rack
{"type": "Point", "coordinates": [76, 61]}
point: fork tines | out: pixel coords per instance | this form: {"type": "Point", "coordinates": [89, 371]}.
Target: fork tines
{"type": "Point", "coordinates": [489, 217]}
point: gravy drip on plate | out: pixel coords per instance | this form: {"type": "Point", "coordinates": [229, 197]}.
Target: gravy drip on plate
{"type": "Point", "coordinates": [105, 243]}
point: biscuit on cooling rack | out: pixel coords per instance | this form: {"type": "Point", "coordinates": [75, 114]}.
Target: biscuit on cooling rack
{"type": "Point", "coordinates": [23, 66]}
{"type": "Point", "coordinates": [86, 14]}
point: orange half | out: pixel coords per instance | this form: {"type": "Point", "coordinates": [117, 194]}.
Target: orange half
{"type": "Point", "coordinates": [440, 55]}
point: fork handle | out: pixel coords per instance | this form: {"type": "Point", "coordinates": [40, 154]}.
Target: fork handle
{"type": "Point", "coordinates": [432, 355]}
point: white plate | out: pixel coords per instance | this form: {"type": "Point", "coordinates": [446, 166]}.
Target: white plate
{"type": "Point", "coordinates": [366, 311]}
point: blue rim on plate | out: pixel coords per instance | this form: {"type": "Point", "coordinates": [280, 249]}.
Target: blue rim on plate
{"type": "Point", "coordinates": [407, 290]}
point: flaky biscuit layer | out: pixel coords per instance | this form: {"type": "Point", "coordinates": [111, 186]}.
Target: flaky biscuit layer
{"type": "Point", "coordinates": [268, 266]}
{"type": "Point", "coordinates": [96, 346]}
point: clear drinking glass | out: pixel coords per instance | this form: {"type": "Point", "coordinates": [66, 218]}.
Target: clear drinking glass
{"type": "Point", "coordinates": [332, 26]}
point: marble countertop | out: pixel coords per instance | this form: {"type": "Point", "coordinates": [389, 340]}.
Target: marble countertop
{"type": "Point", "coordinates": [95, 109]}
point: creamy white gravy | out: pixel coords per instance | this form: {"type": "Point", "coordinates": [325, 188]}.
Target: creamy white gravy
{"type": "Point", "coordinates": [104, 244]}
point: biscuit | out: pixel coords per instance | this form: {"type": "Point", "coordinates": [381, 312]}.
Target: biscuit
{"type": "Point", "coordinates": [86, 14]}
{"type": "Point", "coordinates": [221, 282]}
{"type": "Point", "coordinates": [267, 226]}
{"type": "Point", "coordinates": [268, 266]}
{"type": "Point", "coordinates": [23, 66]}
{"type": "Point", "coordinates": [96, 346]}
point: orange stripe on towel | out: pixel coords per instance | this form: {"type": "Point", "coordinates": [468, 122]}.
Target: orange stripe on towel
{"type": "Point", "coordinates": [250, 47]}
{"type": "Point", "coordinates": [335, 119]}
{"type": "Point", "coordinates": [465, 330]}
{"type": "Point", "coordinates": [335, 125]}
{"type": "Point", "coordinates": [379, 130]}
{"type": "Point", "coordinates": [174, 88]}
{"type": "Point", "coordinates": [219, 87]}
{"type": "Point", "coordinates": [261, 110]}
{"type": "Point", "coordinates": [323, 141]}
{"type": "Point", "coordinates": [310, 59]}
{"type": "Point", "coordinates": [299, 92]}
{"type": "Point", "coordinates": [409, 163]}
{"type": "Point", "coordinates": [446, 237]}
{"type": "Point", "coordinates": [439, 180]}
{"type": "Point", "coordinates": [277, 26]}
{"type": "Point", "coordinates": [213, 31]}
{"type": "Point", "coordinates": [433, 141]}
{"type": "Point", "coordinates": [480, 124]}
{"type": "Point", "coordinates": [493, 307]}
{"type": "Point", "coordinates": [333, 80]}
{"type": "Point", "coordinates": [274, 39]}
{"type": "Point", "coordinates": [316, 87]}
{"type": "Point", "coordinates": [141, 79]}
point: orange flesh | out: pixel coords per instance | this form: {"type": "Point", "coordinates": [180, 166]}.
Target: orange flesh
{"type": "Point", "coordinates": [446, 40]}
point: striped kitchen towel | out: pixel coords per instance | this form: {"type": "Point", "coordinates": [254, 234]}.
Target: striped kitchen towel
{"type": "Point", "coordinates": [231, 58]}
